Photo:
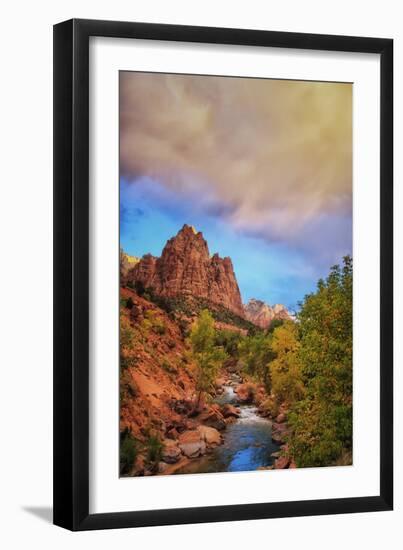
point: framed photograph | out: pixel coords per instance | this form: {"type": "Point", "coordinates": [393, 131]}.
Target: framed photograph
{"type": "Point", "coordinates": [223, 321]}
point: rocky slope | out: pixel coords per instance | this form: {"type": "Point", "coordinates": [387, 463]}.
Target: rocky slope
{"type": "Point", "coordinates": [158, 390]}
{"type": "Point", "coordinates": [158, 394]}
{"type": "Point", "coordinates": [186, 268]}
{"type": "Point", "coordinates": [154, 369]}
{"type": "Point", "coordinates": [262, 314]}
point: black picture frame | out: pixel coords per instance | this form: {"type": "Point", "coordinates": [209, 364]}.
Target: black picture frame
{"type": "Point", "coordinates": [71, 274]}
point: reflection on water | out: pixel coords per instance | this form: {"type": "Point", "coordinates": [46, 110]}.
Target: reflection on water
{"type": "Point", "coordinates": [247, 443]}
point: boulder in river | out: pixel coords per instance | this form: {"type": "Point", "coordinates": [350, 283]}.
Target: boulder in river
{"type": "Point", "coordinates": [246, 392]}
{"type": "Point", "coordinates": [213, 417]}
{"type": "Point", "coordinates": [277, 437]}
{"type": "Point", "coordinates": [279, 432]}
{"type": "Point", "coordinates": [281, 418]}
{"type": "Point", "coordinates": [232, 368]}
{"type": "Point", "coordinates": [229, 410]}
{"type": "Point", "coordinates": [282, 428]}
{"type": "Point", "coordinates": [191, 444]}
{"type": "Point", "coordinates": [219, 383]}
{"type": "Point", "coordinates": [211, 436]}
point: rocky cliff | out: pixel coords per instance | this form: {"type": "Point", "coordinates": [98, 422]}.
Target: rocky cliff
{"type": "Point", "coordinates": [126, 263]}
{"type": "Point", "coordinates": [186, 268]}
{"type": "Point", "coordinates": [262, 314]}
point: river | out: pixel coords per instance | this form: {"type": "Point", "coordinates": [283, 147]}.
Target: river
{"type": "Point", "coordinates": [247, 443]}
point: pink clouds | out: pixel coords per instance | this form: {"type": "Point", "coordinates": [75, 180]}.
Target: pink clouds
{"type": "Point", "coordinates": [277, 154]}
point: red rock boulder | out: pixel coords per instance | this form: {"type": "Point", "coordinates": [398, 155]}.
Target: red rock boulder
{"type": "Point", "coordinates": [281, 463]}
{"type": "Point", "coordinates": [191, 444]}
{"type": "Point", "coordinates": [213, 417]}
{"type": "Point", "coordinates": [229, 410]}
{"type": "Point", "coordinates": [246, 392]}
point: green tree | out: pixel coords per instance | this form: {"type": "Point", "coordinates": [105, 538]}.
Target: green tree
{"type": "Point", "coordinates": [285, 369]}
{"type": "Point", "coordinates": [321, 422]}
{"type": "Point", "coordinates": [275, 324]}
{"type": "Point", "coordinates": [256, 353]}
{"type": "Point", "coordinates": [229, 340]}
{"type": "Point", "coordinates": [207, 355]}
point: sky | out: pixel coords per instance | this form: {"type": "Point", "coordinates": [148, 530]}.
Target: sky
{"type": "Point", "coordinates": [262, 167]}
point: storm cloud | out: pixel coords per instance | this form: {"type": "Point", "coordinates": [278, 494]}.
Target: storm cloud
{"type": "Point", "coordinates": [272, 157]}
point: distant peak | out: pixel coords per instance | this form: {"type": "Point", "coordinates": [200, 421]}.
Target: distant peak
{"type": "Point", "coordinates": [255, 301]}
{"type": "Point", "coordinates": [263, 314]}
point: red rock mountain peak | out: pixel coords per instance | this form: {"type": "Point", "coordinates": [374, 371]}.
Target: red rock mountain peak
{"type": "Point", "coordinates": [186, 268]}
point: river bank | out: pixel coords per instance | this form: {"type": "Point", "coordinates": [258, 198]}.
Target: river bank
{"type": "Point", "coordinates": [233, 432]}
{"type": "Point", "coordinates": [248, 442]}
{"type": "Point", "coordinates": [246, 445]}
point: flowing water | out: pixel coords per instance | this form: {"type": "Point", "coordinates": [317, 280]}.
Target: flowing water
{"type": "Point", "coordinates": [247, 443]}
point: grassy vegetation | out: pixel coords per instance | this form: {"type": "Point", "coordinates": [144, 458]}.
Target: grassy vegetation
{"type": "Point", "coordinates": [131, 448]}
{"type": "Point", "coordinates": [178, 307]}
{"type": "Point", "coordinates": [168, 367]}
{"type": "Point", "coordinates": [154, 449]}
{"type": "Point", "coordinates": [128, 452]}
{"type": "Point", "coordinates": [126, 345]}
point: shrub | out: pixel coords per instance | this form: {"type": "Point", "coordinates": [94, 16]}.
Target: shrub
{"type": "Point", "coordinates": [128, 386]}
{"type": "Point", "coordinates": [152, 321]}
{"type": "Point", "coordinates": [168, 367]}
{"type": "Point", "coordinates": [126, 343]}
{"type": "Point", "coordinates": [154, 449]}
{"type": "Point", "coordinates": [159, 328]}
{"type": "Point", "coordinates": [184, 327]}
{"type": "Point", "coordinates": [148, 322]}
{"type": "Point", "coordinates": [128, 452]}
{"type": "Point", "coordinates": [139, 288]}
{"type": "Point", "coordinates": [270, 406]}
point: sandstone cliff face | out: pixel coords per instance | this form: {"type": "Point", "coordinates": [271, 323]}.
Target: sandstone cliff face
{"type": "Point", "coordinates": [186, 268]}
{"type": "Point", "coordinates": [261, 314]}
{"type": "Point", "coordinates": [126, 263]}
{"type": "Point", "coordinates": [281, 312]}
